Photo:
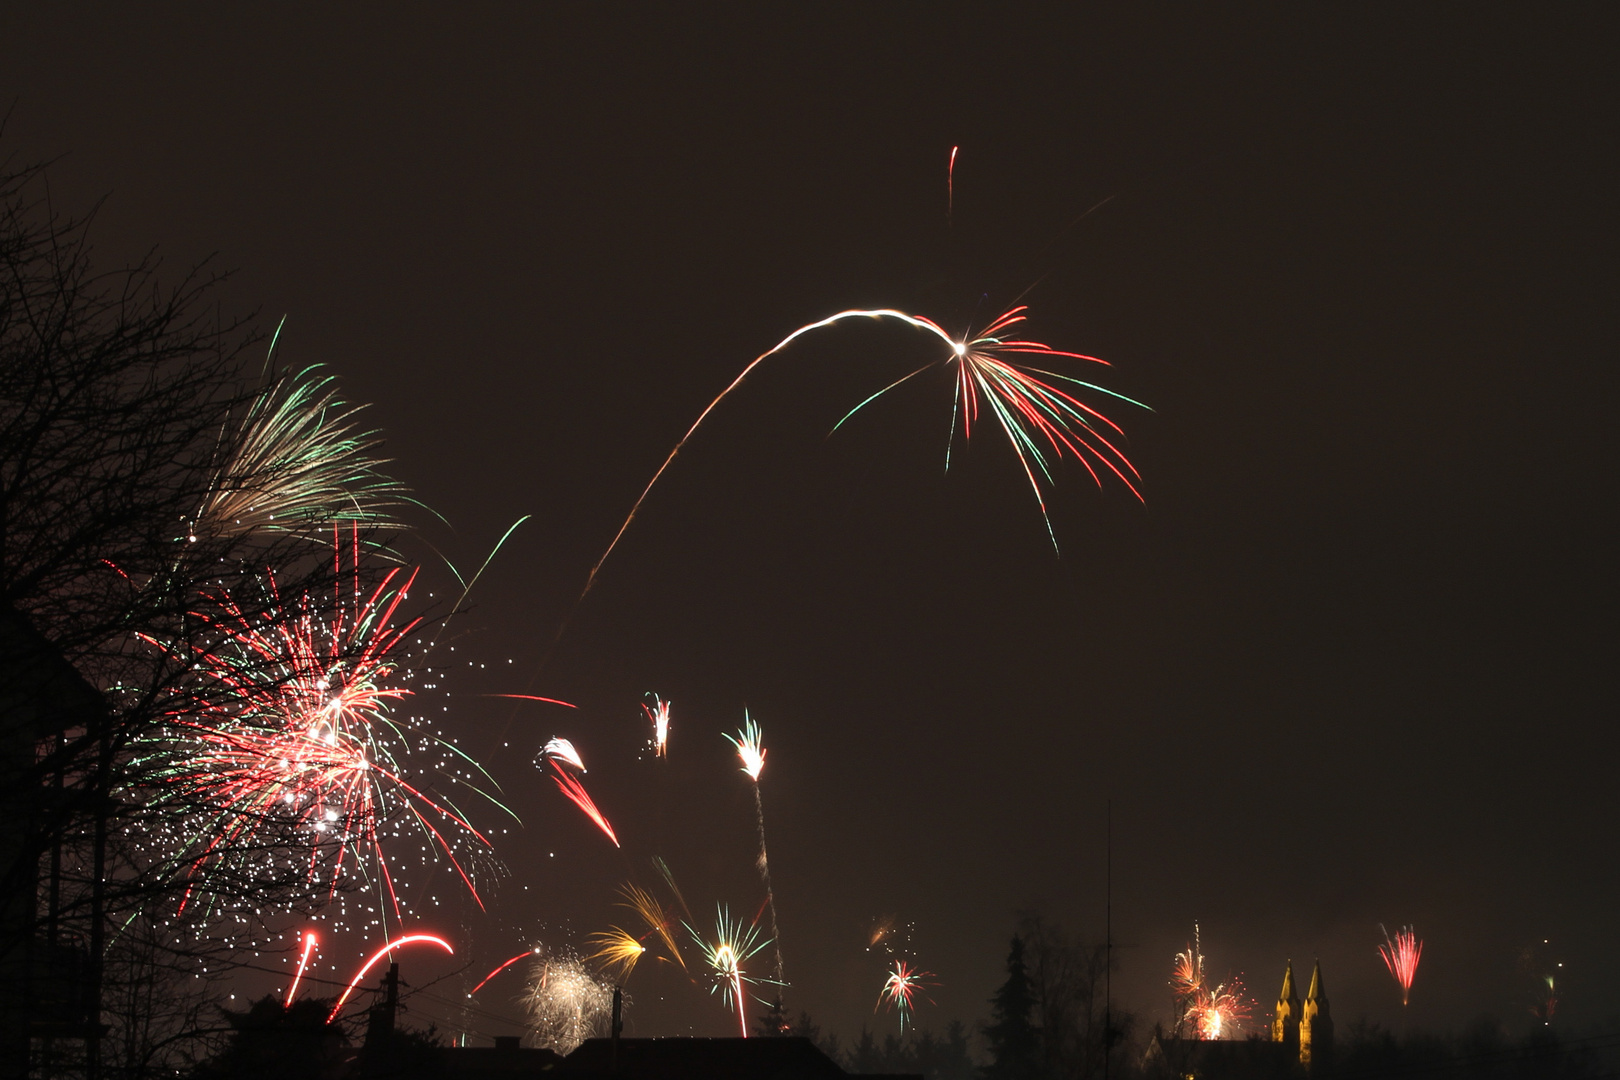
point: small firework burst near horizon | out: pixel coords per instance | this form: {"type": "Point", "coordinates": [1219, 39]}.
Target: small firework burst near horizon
{"type": "Point", "coordinates": [900, 990]}
{"type": "Point", "coordinates": [1401, 955]}
{"type": "Point", "coordinates": [566, 1003]}
{"type": "Point", "coordinates": [1214, 1011]}
{"type": "Point", "coordinates": [733, 945]}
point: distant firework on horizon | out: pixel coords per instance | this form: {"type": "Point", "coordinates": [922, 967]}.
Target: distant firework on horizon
{"type": "Point", "coordinates": [1214, 1011]}
{"type": "Point", "coordinates": [1401, 955]}
{"type": "Point", "coordinates": [900, 990]}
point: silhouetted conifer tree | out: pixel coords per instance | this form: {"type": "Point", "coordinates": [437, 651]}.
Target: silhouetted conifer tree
{"type": "Point", "coordinates": [1012, 1035]}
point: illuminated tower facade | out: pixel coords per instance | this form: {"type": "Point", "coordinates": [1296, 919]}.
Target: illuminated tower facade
{"type": "Point", "coordinates": [1315, 1024]}
{"type": "Point", "coordinates": [1285, 1028]}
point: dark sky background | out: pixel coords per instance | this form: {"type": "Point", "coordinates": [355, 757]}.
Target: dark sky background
{"type": "Point", "coordinates": [1344, 666]}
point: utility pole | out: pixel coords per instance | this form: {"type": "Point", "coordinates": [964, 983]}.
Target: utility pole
{"type": "Point", "coordinates": [1108, 943]}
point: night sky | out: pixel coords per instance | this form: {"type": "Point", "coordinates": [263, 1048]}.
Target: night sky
{"type": "Point", "coordinates": [1343, 666]}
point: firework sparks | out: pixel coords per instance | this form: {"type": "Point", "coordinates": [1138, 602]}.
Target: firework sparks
{"type": "Point", "coordinates": [900, 990]}
{"type": "Point", "coordinates": [388, 947]}
{"type": "Point", "coordinates": [563, 750]}
{"type": "Point", "coordinates": [658, 713]}
{"type": "Point", "coordinates": [734, 944]}
{"type": "Point", "coordinates": [751, 751]}
{"type": "Point", "coordinates": [1036, 409]}
{"type": "Point", "coordinates": [286, 739]}
{"type": "Point", "coordinates": [1401, 955]}
{"type": "Point", "coordinates": [619, 949]}
{"type": "Point", "coordinates": [303, 962]}
{"type": "Point", "coordinates": [504, 965]}
{"type": "Point", "coordinates": [1214, 1011]}
{"type": "Point", "coordinates": [566, 1004]}
{"type": "Point", "coordinates": [297, 461]}
{"type": "Point", "coordinates": [575, 791]}
{"type": "Point", "coordinates": [657, 920]}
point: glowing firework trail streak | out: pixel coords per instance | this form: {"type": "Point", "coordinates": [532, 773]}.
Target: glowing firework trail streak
{"type": "Point", "coordinates": [409, 939]}
{"type": "Point", "coordinates": [303, 962]}
{"type": "Point", "coordinates": [576, 793]}
{"type": "Point", "coordinates": [503, 967]}
{"type": "Point", "coordinates": [751, 751]}
{"type": "Point", "coordinates": [950, 186]}
{"type": "Point", "coordinates": [902, 986]}
{"type": "Point", "coordinates": [658, 713]}
{"type": "Point", "coordinates": [532, 697]}
{"type": "Point", "coordinates": [1401, 956]}
{"type": "Point", "coordinates": [1030, 410]}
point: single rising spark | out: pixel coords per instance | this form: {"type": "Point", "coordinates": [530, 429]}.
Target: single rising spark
{"type": "Point", "coordinates": [303, 962]}
{"type": "Point", "coordinates": [1401, 955]}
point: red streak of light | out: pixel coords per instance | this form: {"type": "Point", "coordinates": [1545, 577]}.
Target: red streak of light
{"type": "Point", "coordinates": [531, 697]}
{"type": "Point", "coordinates": [503, 967]}
{"type": "Point", "coordinates": [576, 793]}
{"type": "Point", "coordinates": [387, 948]}
{"type": "Point", "coordinates": [303, 962]}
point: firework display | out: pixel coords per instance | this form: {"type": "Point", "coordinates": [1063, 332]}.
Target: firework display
{"type": "Point", "coordinates": [286, 744]}
{"type": "Point", "coordinates": [298, 463]}
{"type": "Point", "coordinates": [566, 1004]}
{"type": "Point", "coordinates": [658, 714]}
{"type": "Point", "coordinates": [563, 750]}
{"type": "Point", "coordinates": [1401, 955]}
{"type": "Point", "coordinates": [617, 951]}
{"type": "Point", "coordinates": [658, 921]}
{"type": "Point", "coordinates": [900, 990]}
{"type": "Point", "coordinates": [1211, 1010]}
{"type": "Point", "coordinates": [751, 751]}
{"type": "Point", "coordinates": [733, 944]}
{"type": "Point", "coordinates": [1036, 409]}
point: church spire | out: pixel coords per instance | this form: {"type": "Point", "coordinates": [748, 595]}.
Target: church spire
{"type": "Point", "coordinates": [1315, 1024]}
{"type": "Point", "coordinates": [1285, 1027]}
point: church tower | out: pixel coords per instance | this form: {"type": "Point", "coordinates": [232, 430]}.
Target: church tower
{"type": "Point", "coordinates": [1316, 1024]}
{"type": "Point", "coordinates": [1285, 1028]}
